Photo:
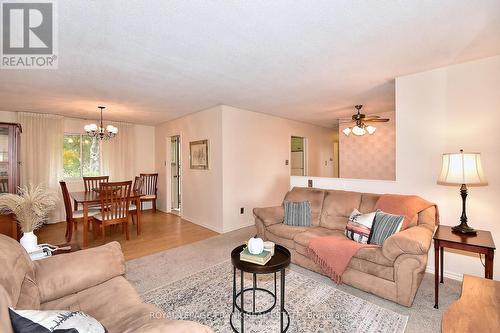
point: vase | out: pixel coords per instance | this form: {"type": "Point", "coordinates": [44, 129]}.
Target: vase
{"type": "Point", "coordinates": [29, 241]}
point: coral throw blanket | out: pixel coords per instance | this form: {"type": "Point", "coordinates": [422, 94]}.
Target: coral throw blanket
{"type": "Point", "coordinates": [333, 254]}
{"type": "Point", "coordinates": [407, 205]}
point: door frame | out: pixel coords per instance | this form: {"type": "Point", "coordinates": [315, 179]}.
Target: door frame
{"type": "Point", "coordinates": [168, 173]}
{"type": "Point", "coordinates": [304, 155]}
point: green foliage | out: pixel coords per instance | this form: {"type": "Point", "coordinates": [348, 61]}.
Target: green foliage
{"type": "Point", "coordinates": [85, 165]}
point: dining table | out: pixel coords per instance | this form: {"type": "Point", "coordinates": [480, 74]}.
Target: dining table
{"type": "Point", "coordinates": [92, 198]}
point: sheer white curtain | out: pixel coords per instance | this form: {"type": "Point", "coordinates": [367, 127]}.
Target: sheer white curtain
{"type": "Point", "coordinates": [42, 153]}
{"type": "Point", "coordinates": [118, 154]}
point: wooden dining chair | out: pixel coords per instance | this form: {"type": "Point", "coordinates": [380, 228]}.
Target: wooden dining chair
{"type": "Point", "coordinates": [115, 203]}
{"type": "Point", "coordinates": [136, 188]}
{"type": "Point", "coordinates": [91, 183]}
{"type": "Point", "coordinates": [149, 181]}
{"type": "Point", "coordinates": [72, 217]}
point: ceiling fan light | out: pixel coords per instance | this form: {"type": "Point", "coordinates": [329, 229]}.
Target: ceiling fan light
{"type": "Point", "coordinates": [371, 129]}
{"type": "Point", "coordinates": [346, 131]}
{"type": "Point", "coordinates": [356, 130]}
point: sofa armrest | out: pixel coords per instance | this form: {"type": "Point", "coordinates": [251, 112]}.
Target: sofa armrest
{"type": "Point", "coordinates": [270, 215]}
{"type": "Point", "coordinates": [414, 240]}
{"type": "Point", "coordinates": [70, 273]}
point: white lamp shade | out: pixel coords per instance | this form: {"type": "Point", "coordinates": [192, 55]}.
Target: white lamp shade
{"type": "Point", "coordinates": [356, 130]}
{"type": "Point", "coordinates": [462, 168]}
{"type": "Point", "coordinates": [371, 129]}
{"type": "Point", "coordinates": [346, 131]}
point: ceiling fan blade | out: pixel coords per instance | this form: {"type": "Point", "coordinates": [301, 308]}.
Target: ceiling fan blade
{"type": "Point", "coordinates": [372, 117]}
{"type": "Point", "coordinates": [377, 120]}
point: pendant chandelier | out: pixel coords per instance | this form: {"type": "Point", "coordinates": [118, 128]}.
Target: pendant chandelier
{"type": "Point", "coordinates": [100, 132]}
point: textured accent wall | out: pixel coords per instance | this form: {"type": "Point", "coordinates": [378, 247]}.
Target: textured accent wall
{"type": "Point", "coordinates": [369, 156]}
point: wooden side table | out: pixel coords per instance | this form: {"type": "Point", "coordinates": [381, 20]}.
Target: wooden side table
{"type": "Point", "coordinates": [481, 243]}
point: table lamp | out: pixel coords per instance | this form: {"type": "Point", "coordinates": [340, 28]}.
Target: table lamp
{"type": "Point", "coordinates": [462, 169]}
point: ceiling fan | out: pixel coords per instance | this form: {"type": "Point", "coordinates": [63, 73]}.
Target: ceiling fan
{"type": "Point", "coordinates": [361, 120]}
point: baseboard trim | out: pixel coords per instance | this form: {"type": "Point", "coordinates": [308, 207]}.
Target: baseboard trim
{"type": "Point", "coordinates": [237, 227]}
{"type": "Point", "coordinates": [447, 274]}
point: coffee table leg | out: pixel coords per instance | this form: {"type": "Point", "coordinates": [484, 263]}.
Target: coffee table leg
{"type": "Point", "coordinates": [242, 288]}
{"type": "Point", "coordinates": [282, 292]}
{"type": "Point", "coordinates": [436, 273]}
{"type": "Point", "coordinates": [254, 287]}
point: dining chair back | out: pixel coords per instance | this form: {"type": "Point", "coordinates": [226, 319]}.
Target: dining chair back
{"type": "Point", "coordinates": [91, 183]}
{"type": "Point", "coordinates": [73, 217]}
{"type": "Point", "coordinates": [137, 184]}
{"type": "Point", "coordinates": [149, 189]}
{"type": "Point", "coordinates": [67, 200]}
{"type": "Point", "coordinates": [115, 202]}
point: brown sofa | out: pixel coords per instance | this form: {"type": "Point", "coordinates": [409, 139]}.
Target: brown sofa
{"type": "Point", "coordinates": [393, 271]}
{"type": "Point", "coordinates": [90, 280]}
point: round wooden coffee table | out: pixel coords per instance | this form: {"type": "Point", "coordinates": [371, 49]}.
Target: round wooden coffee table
{"type": "Point", "coordinates": [278, 263]}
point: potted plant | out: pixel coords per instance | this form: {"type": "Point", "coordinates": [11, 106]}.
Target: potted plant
{"type": "Point", "coordinates": [31, 207]}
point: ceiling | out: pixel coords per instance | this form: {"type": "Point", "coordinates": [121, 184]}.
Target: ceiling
{"type": "Point", "coordinates": [152, 61]}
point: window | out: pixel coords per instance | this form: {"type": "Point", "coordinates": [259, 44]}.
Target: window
{"type": "Point", "coordinates": [80, 156]}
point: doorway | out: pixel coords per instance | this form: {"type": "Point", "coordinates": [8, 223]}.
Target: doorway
{"type": "Point", "coordinates": [298, 156]}
{"type": "Point", "coordinates": [175, 165]}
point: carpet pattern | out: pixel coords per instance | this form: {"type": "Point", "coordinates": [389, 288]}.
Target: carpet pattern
{"type": "Point", "coordinates": [163, 268]}
{"type": "Point", "coordinates": [206, 297]}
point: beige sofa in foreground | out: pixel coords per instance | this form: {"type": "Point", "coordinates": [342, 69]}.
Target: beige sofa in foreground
{"type": "Point", "coordinates": [90, 280]}
{"type": "Point", "coordinates": [393, 271]}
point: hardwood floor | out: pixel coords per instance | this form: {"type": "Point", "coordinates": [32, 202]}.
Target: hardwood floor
{"type": "Point", "coordinates": [159, 231]}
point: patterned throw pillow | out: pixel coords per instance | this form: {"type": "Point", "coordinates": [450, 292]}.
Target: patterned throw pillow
{"type": "Point", "coordinates": [384, 226]}
{"type": "Point", "coordinates": [359, 226]}
{"type": "Point", "coordinates": [63, 321]}
{"type": "Point", "coordinates": [298, 213]}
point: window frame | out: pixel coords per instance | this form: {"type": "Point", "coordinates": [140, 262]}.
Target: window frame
{"type": "Point", "coordinates": [81, 135]}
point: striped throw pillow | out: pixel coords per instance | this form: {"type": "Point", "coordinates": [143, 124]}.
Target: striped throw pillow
{"type": "Point", "coordinates": [384, 226]}
{"type": "Point", "coordinates": [359, 226]}
{"type": "Point", "coordinates": [298, 213]}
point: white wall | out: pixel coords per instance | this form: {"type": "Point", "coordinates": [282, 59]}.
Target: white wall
{"type": "Point", "coordinates": [8, 117]}
{"type": "Point", "coordinates": [247, 168]}
{"type": "Point", "coordinates": [255, 147]}
{"type": "Point", "coordinates": [370, 156]}
{"type": "Point", "coordinates": [201, 189]}
{"type": "Point", "coordinates": [440, 111]}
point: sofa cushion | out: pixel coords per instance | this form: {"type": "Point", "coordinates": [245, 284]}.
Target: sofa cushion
{"type": "Point", "coordinates": [17, 274]}
{"type": "Point", "coordinates": [305, 237]}
{"type": "Point", "coordinates": [286, 231]}
{"type": "Point", "coordinates": [375, 255]}
{"type": "Point", "coordinates": [69, 273]}
{"type": "Point", "coordinates": [384, 272]}
{"type": "Point", "coordinates": [270, 215]}
{"type": "Point", "coordinates": [337, 208]}
{"type": "Point", "coordinates": [116, 304]}
{"type": "Point", "coordinates": [368, 202]}
{"type": "Point", "coordinates": [288, 243]}
{"type": "Point", "coordinates": [313, 195]}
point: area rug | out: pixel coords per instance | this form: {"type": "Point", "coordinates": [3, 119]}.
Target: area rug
{"type": "Point", "coordinates": [206, 297]}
